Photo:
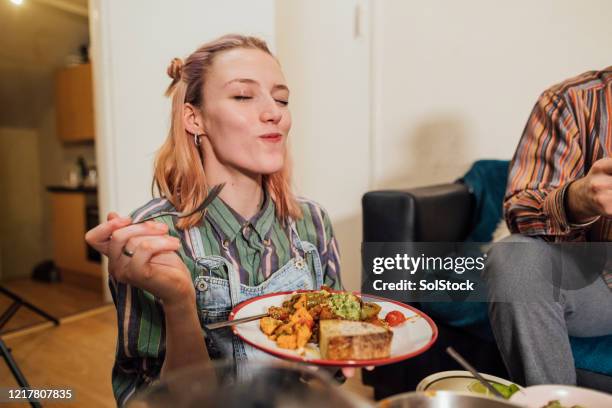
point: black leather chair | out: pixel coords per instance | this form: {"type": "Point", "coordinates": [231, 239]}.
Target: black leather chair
{"type": "Point", "coordinates": [441, 213]}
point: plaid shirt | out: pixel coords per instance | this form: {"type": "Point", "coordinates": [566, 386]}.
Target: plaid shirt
{"type": "Point", "coordinates": [256, 247]}
{"type": "Point", "coordinates": [570, 127]}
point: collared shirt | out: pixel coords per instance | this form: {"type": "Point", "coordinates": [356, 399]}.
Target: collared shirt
{"type": "Point", "coordinates": [256, 247]}
{"type": "Point", "coordinates": [570, 128]}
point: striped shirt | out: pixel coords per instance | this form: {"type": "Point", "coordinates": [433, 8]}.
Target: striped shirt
{"type": "Point", "coordinates": [256, 247]}
{"type": "Point", "coordinates": [570, 127]}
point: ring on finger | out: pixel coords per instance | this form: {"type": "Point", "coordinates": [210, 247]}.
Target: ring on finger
{"type": "Point", "coordinates": [127, 252]}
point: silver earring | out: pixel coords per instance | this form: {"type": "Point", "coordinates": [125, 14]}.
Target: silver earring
{"type": "Point", "coordinates": [196, 139]}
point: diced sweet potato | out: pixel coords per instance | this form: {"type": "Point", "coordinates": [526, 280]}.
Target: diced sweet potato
{"type": "Point", "coordinates": [303, 334]}
{"type": "Point", "coordinates": [268, 325]}
{"type": "Point", "coordinates": [287, 341]}
{"type": "Point", "coordinates": [300, 315]}
{"type": "Point", "coordinates": [284, 329]}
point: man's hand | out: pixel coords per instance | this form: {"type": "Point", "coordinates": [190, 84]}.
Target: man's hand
{"type": "Point", "coordinates": [591, 196]}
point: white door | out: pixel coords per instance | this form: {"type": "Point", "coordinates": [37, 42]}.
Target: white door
{"type": "Point", "coordinates": [324, 47]}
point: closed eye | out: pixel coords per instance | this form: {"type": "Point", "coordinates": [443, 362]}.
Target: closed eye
{"type": "Point", "coordinates": [282, 102]}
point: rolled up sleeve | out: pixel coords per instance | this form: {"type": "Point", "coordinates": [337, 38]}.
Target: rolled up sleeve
{"type": "Point", "coordinates": [548, 158]}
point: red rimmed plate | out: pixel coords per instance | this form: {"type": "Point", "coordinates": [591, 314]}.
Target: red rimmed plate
{"type": "Point", "coordinates": [410, 339]}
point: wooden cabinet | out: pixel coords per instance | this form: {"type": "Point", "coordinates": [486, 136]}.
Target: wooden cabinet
{"type": "Point", "coordinates": [69, 224]}
{"type": "Point", "coordinates": [74, 104]}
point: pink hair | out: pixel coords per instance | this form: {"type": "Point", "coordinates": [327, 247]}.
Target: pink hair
{"type": "Point", "coordinates": [176, 177]}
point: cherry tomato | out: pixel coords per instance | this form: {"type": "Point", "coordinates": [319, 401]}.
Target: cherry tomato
{"type": "Point", "coordinates": [395, 318]}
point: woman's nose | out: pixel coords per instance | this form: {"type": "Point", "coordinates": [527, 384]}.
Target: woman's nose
{"type": "Point", "coordinates": [271, 112]}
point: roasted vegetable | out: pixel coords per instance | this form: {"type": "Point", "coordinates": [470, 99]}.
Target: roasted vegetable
{"type": "Point", "coordinates": [369, 310]}
{"type": "Point", "coordinates": [269, 324]}
{"type": "Point", "coordinates": [297, 321]}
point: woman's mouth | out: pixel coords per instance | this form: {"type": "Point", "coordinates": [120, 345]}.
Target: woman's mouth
{"type": "Point", "coordinates": [272, 137]}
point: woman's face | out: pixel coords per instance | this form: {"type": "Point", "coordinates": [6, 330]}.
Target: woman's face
{"type": "Point", "coordinates": [245, 111]}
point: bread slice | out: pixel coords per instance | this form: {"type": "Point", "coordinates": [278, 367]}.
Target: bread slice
{"type": "Point", "coordinates": [351, 340]}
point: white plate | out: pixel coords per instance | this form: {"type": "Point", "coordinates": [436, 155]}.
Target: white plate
{"type": "Point", "coordinates": [410, 339]}
{"type": "Point", "coordinates": [538, 396]}
{"type": "Point", "coordinates": [458, 380]}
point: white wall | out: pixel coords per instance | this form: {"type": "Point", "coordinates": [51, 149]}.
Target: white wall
{"type": "Point", "coordinates": [132, 44]}
{"type": "Point", "coordinates": [324, 48]}
{"type": "Point", "coordinates": [456, 80]}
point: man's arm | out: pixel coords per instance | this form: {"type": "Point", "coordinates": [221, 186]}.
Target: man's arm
{"type": "Point", "coordinates": [548, 158]}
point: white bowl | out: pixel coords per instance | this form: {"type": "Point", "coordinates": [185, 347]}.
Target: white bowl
{"type": "Point", "coordinates": [456, 380]}
{"type": "Point", "coordinates": [538, 396]}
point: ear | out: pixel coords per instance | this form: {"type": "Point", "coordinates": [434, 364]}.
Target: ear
{"type": "Point", "coordinates": [193, 120]}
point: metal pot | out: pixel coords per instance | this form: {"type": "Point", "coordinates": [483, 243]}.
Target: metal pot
{"type": "Point", "coordinates": [443, 399]}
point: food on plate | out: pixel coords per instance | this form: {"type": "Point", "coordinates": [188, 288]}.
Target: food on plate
{"type": "Point", "coordinates": [395, 318]}
{"type": "Point", "coordinates": [353, 340]}
{"type": "Point", "coordinates": [342, 324]}
{"type": "Point", "coordinates": [292, 333]}
{"type": "Point", "coordinates": [557, 404]}
{"type": "Point", "coordinates": [369, 311]}
{"type": "Point", "coordinates": [345, 306]}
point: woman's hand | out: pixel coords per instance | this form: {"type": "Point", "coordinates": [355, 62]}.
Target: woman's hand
{"type": "Point", "coordinates": [99, 237]}
{"type": "Point", "coordinates": [143, 255]}
{"type": "Point", "coordinates": [154, 266]}
{"type": "Point", "coordinates": [349, 372]}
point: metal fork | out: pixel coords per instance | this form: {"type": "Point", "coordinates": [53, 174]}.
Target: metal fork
{"type": "Point", "coordinates": [212, 194]}
{"type": "Point", "coordinates": [218, 325]}
{"type": "Point", "coordinates": [458, 358]}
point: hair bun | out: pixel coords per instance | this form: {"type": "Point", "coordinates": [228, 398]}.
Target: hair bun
{"type": "Point", "coordinates": [175, 68]}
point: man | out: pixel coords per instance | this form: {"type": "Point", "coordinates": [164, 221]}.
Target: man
{"type": "Point", "coordinates": [559, 190]}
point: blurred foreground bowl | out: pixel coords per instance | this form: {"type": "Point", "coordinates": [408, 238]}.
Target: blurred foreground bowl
{"type": "Point", "coordinates": [255, 384]}
{"type": "Point", "coordinates": [538, 396]}
{"type": "Point", "coordinates": [443, 399]}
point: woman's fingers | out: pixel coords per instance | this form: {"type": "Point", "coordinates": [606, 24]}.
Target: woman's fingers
{"type": "Point", "coordinates": [99, 236]}
{"type": "Point", "coordinates": [121, 237]}
{"type": "Point", "coordinates": [348, 372]}
{"type": "Point", "coordinates": [120, 263]}
{"type": "Point", "coordinates": [140, 266]}
{"type": "Point", "coordinates": [111, 216]}
{"type": "Point", "coordinates": [157, 269]}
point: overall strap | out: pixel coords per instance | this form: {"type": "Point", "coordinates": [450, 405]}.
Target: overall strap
{"type": "Point", "coordinates": [196, 243]}
{"type": "Point", "coordinates": [212, 261]}
{"type": "Point", "coordinates": [308, 247]}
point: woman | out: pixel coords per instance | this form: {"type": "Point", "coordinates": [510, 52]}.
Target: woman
{"type": "Point", "coordinates": [230, 122]}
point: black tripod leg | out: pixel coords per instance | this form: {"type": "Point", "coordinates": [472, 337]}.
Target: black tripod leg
{"type": "Point", "coordinates": [30, 306]}
{"type": "Point", "coordinates": [23, 383]}
{"type": "Point", "coordinates": [41, 312]}
{"type": "Point", "coordinates": [8, 313]}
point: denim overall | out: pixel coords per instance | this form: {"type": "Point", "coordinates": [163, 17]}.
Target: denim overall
{"type": "Point", "coordinates": [216, 296]}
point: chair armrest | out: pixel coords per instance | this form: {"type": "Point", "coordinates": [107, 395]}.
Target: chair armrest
{"type": "Point", "coordinates": [440, 213]}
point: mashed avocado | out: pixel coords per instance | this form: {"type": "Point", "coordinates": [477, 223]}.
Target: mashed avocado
{"type": "Point", "coordinates": [345, 305]}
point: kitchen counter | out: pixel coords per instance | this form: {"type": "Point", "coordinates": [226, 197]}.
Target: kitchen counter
{"type": "Point", "coordinates": [74, 210]}
{"type": "Point", "coordinates": [68, 189]}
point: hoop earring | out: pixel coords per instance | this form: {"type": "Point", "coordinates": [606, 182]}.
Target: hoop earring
{"type": "Point", "coordinates": [196, 139]}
